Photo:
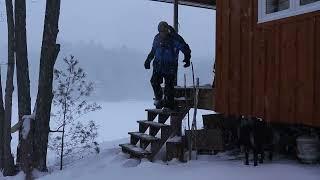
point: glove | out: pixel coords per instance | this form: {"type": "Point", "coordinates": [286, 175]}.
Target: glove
{"type": "Point", "coordinates": [147, 64]}
{"type": "Point", "coordinates": [187, 63]}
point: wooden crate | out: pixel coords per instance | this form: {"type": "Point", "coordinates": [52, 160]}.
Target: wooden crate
{"type": "Point", "coordinates": [206, 139]}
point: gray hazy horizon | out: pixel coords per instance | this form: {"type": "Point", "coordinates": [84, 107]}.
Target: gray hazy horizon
{"type": "Point", "coordinates": [109, 36]}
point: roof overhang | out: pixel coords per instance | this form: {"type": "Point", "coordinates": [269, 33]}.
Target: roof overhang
{"type": "Point", "coordinates": [208, 4]}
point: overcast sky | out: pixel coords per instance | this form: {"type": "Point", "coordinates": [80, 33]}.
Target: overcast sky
{"type": "Point", "coordinates": [117, 23]}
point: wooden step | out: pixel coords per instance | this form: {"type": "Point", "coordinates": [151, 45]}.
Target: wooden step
{"type": "Point", "coordinates": [163, 112]}
{"type": "Point", "coordinates": [153, 124]}
{"type": "Point", "coordinates": [183, 102]}
{"type": "Point", "coordinates": [154, 128]}
{"type": "Point", "coordinates": [144, 137]}
{"type": "Point", "coordinates": [135, 151]}
{"type": "Point", "coordinates": [183, 99]}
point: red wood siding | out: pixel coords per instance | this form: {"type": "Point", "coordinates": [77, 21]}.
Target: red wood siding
{"type": "Point", "coordinates": [269, 70]}
{"type": "Point", "coordinates": [245, 57]}
{"type": "Point", "coordinates": [316, 108]}
{"type": "Point", "coordinates": [222, 67]}
{"type": "Point", "coordinates": [234, 66]}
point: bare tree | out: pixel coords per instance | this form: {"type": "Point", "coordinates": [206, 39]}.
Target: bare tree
{"type": "Point", "coordinates": [9, 168]}
{"type": "Point", "coordinates": [23, 81]}
{"type": "Point", "coordinates": [49, 52]}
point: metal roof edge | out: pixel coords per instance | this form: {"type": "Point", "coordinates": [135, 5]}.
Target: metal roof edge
{"type": "Point", "coordinates": [187, 3]}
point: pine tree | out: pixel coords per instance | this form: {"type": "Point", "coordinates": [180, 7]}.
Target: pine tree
{"type": "Point", "coordinates": [71, 102]}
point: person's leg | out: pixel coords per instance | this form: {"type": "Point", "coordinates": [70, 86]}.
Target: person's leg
{"type": "Point", "coordinates": [169, 91]}
{"type": "Point", "coordinates": [156, 81]}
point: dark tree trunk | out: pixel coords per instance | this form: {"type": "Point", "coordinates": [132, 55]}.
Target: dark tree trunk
{"type": "Point", "coordinates": [49, 52]}
{"type": "Point", "coordinates": [9, 168]}
{"type": "Point", "coordinates": [23, 81]}
{"type": "Point", "coordinates": [27, 148]}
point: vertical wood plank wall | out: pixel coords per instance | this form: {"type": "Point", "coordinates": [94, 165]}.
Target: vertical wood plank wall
{"type": "Point", "coordinates": [269, 70]}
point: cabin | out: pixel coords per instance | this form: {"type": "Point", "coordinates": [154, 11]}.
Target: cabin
{"type": "Point", "coordinates": [266, 66]}
{"type": "Point", "coordinates": [266, 58]}
{"type": "Point", "coordinates": [267, 61]}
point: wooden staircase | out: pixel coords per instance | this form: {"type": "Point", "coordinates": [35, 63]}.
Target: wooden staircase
{"type": "Point", "coordinates": [155, 131]}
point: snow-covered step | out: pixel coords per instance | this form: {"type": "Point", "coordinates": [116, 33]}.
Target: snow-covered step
{"type": "Point", "coordinates": [162, 111]}
{"type": "Point", "coordinates": [135, 151]}
{"type": "Point", "coordinates": [183, 99]}
{"type": "Point", "coordinates": [153, 124]}
{"type": "Point", "coordinates": [183, 102]}
{"type": "Point", "coordinates": [144, 137]}
{"type": "Point", "coordinates": [163, 114]}
{"type": "Point", "coordinates": [154, 128]}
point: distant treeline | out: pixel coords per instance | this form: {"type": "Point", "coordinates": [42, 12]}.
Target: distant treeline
{"type": "Point", "coordinates": [118, 73]}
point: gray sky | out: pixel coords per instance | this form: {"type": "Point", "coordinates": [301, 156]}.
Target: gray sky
{"type": "Point", "coordinates": [117, 23]}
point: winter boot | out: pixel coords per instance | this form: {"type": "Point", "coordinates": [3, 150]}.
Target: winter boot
{"type": "Point", "coordinates": [168, 104]}
{"type": "Point", "coordinates": [158, 104]}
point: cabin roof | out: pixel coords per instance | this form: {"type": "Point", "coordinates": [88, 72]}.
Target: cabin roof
{"type": "Point", "coordinates": [208, 4]}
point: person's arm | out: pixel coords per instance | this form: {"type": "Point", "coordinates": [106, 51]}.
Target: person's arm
{"type": "Point", "coordinates": [149, 59]}
{"type": "Point", "coordinates": [150, 56]}
{"type": "Point", "coordinates": [184, 48]}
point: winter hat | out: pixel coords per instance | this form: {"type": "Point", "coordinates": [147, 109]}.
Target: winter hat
{"type": "Point", "coordinates": [163, 26]}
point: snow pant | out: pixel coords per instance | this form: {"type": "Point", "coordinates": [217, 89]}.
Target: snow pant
{"type": "Point", "coordinates": [156, 81]}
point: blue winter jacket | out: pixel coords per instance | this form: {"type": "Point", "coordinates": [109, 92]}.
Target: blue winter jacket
{"type": "Point", "coordinates": [165, 53]}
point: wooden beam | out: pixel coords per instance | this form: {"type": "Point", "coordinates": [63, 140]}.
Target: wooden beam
{"type": "Point", "coordinates": [191, 3]}
{"type": "Point", "coordinates": [176, 15]}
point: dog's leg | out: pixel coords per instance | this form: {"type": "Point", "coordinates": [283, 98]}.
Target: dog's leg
{"type": "Point", "coordinates": [246, 155]}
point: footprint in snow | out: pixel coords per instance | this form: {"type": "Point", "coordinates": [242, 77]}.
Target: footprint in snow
{"type": "Point", "coordinates": [131, 163]}
{"type": "Point", "coordinates": [120, 157]}
{"type": "Point", "coordinates": [111, 152]}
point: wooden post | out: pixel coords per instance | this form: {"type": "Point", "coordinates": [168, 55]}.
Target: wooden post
{"type": "Point", "coordinates": [176, 15]}
{"type": "Point", "coordinates": [176, 27]}
{"type": "Point", "coordinates": [176, 122]}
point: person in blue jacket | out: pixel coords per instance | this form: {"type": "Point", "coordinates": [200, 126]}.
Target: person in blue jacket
{"type": "Point", "coordinates": [165, 54]}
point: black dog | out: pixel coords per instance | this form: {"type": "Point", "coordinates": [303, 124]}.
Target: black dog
{"type": "Point", "coordinates": [255, 135]}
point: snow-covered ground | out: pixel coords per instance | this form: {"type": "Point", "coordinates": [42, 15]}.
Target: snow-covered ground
{"type": "Point", "coordinates": [111, 163]}
{"type": "Point", "coordinates": [117, 118]}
